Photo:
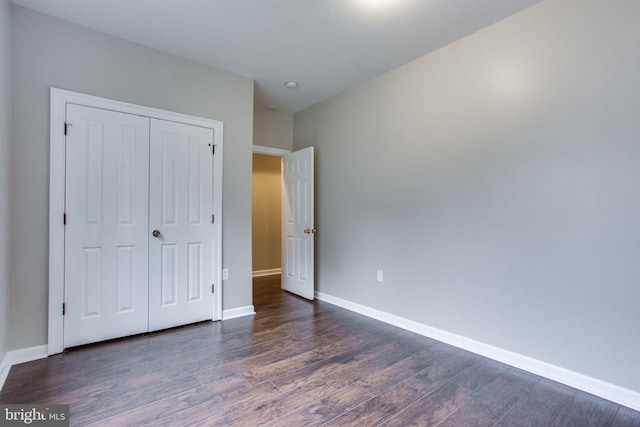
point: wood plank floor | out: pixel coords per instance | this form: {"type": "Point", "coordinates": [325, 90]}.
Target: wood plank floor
{"type": "Point", "coordinates": [298, 364]}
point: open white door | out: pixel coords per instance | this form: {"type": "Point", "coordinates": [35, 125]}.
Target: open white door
{"type": "Point", "coordinates": [298, 224]}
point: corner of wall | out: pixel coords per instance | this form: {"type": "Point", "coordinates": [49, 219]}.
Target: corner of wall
{"type": "Point", "coordinates": [5, 137]}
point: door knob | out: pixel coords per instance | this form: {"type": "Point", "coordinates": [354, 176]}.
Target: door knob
{"type": "Point", "coordinates": [156, 233]}
{"type": "Point", "coordinates": [309, 231]}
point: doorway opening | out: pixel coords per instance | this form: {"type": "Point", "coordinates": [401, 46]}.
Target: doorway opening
{"type": "Point", "coordinates": [296, 266]}
{"type": "Point", "coordinates": [266, 215]}
{"type": "Point", "coordinates": [266, 218]}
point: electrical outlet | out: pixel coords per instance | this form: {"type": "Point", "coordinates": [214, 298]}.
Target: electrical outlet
{"type": "Point", "coordinates": [225, 274]}
{"type": "Point", "coordinates": [380, 275]}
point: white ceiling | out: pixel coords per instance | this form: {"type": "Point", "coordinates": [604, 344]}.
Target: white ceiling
{"type": "Point", "coordinates": [327, 46]}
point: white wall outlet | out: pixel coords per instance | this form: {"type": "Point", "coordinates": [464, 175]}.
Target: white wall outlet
{"type": "Point", "coordinates": [225, 274]}
{"type": "Point", "coordinates": [380, 275]}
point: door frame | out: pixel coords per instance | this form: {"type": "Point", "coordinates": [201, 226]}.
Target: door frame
{"type": "Point", "coordinates": [270, 151]}
{"type": "Point", "coordinates": [59, 99]}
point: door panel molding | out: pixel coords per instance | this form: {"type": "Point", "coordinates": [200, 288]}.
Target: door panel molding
{"type": "Point", "coordinates": [58, 102]}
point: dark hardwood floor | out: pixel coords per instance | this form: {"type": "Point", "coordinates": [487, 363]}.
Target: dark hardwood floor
{"type": "Point", "coordinates": [298, 364]}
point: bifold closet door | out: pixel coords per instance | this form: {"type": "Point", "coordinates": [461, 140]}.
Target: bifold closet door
{"type": "Point", "coordinates": [139, 225]}
{"type": "Point", "coordinates": [181, 224]}
{"type": "Point", "coordinates": [106, 232]}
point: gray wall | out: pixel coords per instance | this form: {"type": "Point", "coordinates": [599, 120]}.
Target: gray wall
{"type": "Point", "coordinates": [50, 52]}
{"type": "Point", "coordinates": [5, 108]}
{"type": "Point", "coordinates": [272, 128]}
{"type": "Point", "coordinates": [496, 183]}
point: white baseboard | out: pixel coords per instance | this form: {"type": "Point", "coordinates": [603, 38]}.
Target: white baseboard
{"type": "Point", "coordinates": [271, 272]}
{"type": "Point", "coordinates": [612, 392]}
{"type": "Point", "coordinates": [238, 312]}
{"type": "Point", "coordinates": [4, 370]}
{"type": "Point", "coordinates": [15, 357]}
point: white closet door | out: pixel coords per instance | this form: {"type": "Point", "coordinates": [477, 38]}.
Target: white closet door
{"type": "Point", "coordinates": [106, 233]}
{"type": "Point", "coordinates": [181, 228]}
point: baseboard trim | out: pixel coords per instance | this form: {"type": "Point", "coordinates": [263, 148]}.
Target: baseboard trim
{"type": "Point", "coordinates": [603, 389]}
{"type": "Point", "coordinates": [4, 370]}
{"type": "Point", "coordinates": [238, 312]}
{"type": "Point", "coordinates": [23, 355]}
{"type": "Point", "coordinates": [271, 272]}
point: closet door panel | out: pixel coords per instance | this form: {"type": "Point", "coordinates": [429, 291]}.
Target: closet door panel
{"type": "Point", "coordinates": [106, 240]}
{"type": "Point", "coordinates": [181, 207]}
